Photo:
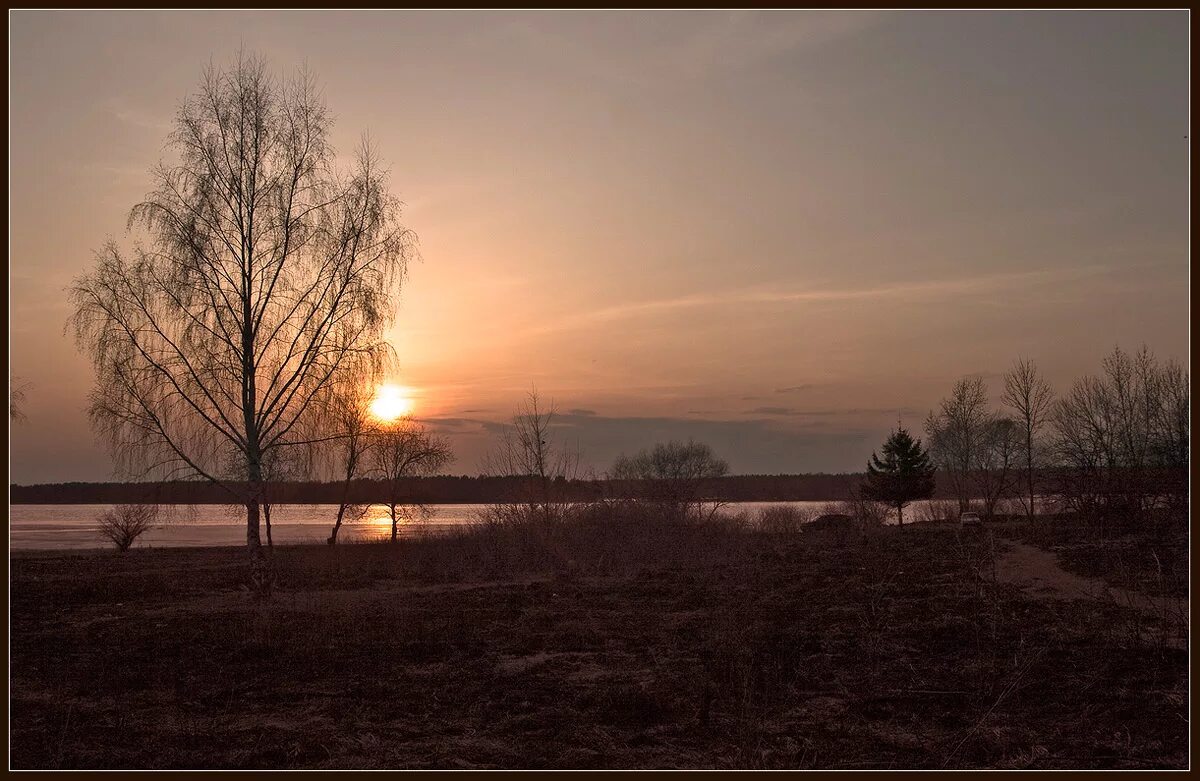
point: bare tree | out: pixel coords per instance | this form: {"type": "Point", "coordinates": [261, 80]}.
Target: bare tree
{"type": "Point", "coordinates": [263, 276]}
{"type": "Point", "coordinates": [278, 466]}
{"type": "Point", "coordinates": [995, 472]}
{"type": "Point", "coordinates": [956, 432]}
{"type": "Point", "coordinates": [16, 400]}
{"type": "Point", "coordinates": [124, 523]}
{"type": "Point", "coordinates": [1171, 416]}
{"type": "Point", "coordinates": [677, 476]}
{"type": "Point", "coordinates": [527, 451]}
{"type": "Point", "coordinates": [349, 414]}
{"type": "Point", "coordinates": [1031, 399]}
{"type": "Point", "coordinates": [405, 449]}
{"type": "Point", "coordinates": [1121, 438]}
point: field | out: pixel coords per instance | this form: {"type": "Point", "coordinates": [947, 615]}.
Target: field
{"type": "Point", "coordinates": [639, 646]}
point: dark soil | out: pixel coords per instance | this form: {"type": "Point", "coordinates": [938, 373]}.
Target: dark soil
{"type": "Point", "coordinates": [780, 651]}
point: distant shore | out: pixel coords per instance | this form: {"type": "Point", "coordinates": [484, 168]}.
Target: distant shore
{"type": "Point", "coordinates": [442, 489]}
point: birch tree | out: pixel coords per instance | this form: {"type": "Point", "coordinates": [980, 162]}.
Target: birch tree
{"type": "Point", "coordinates": [262, 272]}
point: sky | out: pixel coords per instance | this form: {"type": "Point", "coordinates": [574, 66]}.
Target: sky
{"type": "Point", "coordinates": [775, 232]}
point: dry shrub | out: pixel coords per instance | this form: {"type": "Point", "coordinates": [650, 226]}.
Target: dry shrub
{"type": "Point", "coordinates": [124, 523]}
{"type": "Point", "coordinates": [585, 539]}
{"type": "Point", "coordinates": [936, 510]}
{"type": "Point", "coordinates": [783, 519]}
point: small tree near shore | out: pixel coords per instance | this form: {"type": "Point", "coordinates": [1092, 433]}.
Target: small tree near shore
{"type": "Point", "coordinates": [903, 475]}
{"type": "Point", "coordinates": [676, 476]}
{"type": "Point", "coordinates": [124, 523]}
{"type": "Point", "coordinates": [529, 453]}
{"type": "Point", "coordinates": [351, 417]}
{"type": "Point", "coordinates": [405, 449]}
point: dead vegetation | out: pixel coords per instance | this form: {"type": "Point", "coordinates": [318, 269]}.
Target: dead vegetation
{"type": "Point", "coordinates": [582, 645]}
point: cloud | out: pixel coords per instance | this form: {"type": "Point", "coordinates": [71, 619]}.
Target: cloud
{"type": "Point", "coordinates": [141, 117]}
{"type": "Point", "coordinates": [930, 290]}
{"type": "Point", "coordinates": [750, 446]}
{"type": "Point", "coordinates": [581, 412]}
{"type": "Point", "coordinates": [681, 47]}
{"type": "Point", "coordinates": [796, 388]}
{"type": "Point", "coordinates": [789, 411]}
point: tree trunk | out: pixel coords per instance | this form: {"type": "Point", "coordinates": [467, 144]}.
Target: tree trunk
{"type": "Point", "coordinates": [267, 518]}
{"type": "Point", "coordinates": [253, 539]}
{"type": "Point", "coordinates": [1029, 470]}
{"type": "Point", "coordinates": [393, 523]}
{"type": "Point", "coordinates": [337, 524]}
{"type": "Point", "coordinates": [259, 581]}
{"type": "Point", "coordinates": [900, 514]}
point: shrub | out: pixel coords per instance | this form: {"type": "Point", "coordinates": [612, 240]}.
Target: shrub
{"type": "Point", "coordinates": [783, 519]}
{"type": "Point", "coordinates": [124, 523]}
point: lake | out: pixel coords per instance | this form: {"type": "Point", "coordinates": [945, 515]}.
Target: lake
{"type": "Point", "coordinates": [74, 526]}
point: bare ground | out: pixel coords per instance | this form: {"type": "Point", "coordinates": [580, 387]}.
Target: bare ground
{"type": "Point", "coordinates": [1037, 572]}
{"type": "Point", "coordinates": [901, 650]}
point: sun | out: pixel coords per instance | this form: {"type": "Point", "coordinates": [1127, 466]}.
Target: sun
{"type": "Point", "coordinates": [391, 402]}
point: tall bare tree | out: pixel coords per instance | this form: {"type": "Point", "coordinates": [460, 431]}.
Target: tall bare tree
{"type": "Point", "coordinates": [263, 275]}
{"type": "Point", "coordinates": [995, 475]}
{"type": "Point", "coordinates": [1121, 437]}
{"type": "Point", "coordinates": [1031, 399]}
{"type": "Point", "coordinates": [404, 449]}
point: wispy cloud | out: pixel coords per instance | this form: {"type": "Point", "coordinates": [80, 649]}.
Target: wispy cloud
{"type": "Point", "coordinates": [853, 411]}
{"type": "Point", "coordinates": [141, 118]}
{"type": "Point", "coordinates": [689, 46]}
{"type": "Point", "coordinates": [908, 291]}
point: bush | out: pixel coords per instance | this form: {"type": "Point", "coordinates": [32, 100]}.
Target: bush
{"type": "Point", "coordinates": [783, 519]}
{"type": "Point", "coordinates": [124, 523]}
{"type": "Point", "coordinates": [936, 510]}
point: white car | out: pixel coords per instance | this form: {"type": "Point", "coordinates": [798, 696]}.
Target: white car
{"type": "Point", "coordinates": [970, 519]}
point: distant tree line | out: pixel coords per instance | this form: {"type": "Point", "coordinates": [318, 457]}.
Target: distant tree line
{"type": "Point", "coordinates": [440, 489]}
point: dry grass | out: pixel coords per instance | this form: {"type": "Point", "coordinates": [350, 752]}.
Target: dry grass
{"type": "Point", "coordinates": [592, 643]}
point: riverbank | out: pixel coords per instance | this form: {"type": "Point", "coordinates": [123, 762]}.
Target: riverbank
{"type": "Point", "coordinates": [637, 646]}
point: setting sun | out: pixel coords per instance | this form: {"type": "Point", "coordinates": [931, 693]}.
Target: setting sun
{"type": "Point", "coordinates": [391, 402]}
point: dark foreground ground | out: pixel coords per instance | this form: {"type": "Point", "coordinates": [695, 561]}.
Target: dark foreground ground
{"type": "Point", "coordinates": [709, 649]}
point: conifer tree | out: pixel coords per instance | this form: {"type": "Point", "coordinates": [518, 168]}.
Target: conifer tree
{"type": "Point", "coordinates": [903, 475]}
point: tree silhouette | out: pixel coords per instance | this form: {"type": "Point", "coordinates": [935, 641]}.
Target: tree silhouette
{"type": "Point", "coordinates": [264, 276]}
{"type": "Point", "coordinates": [16, 399]}
{"type": "Point", "coordinates": [675, 475]}
{"type": "Point", "coordinates": [903, 475]}
{"type": "Point", "coordinates": [527, 449]}
{"type": "Point", "coordinates": [404, 449]}
{"type": "Point", "coordinates": [957, 435]}
{"type": "Point", "coordinates": [1030, 397]}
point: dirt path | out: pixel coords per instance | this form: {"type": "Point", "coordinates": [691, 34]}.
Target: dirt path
{"type": "Point", "coordinates": [1037, 572]}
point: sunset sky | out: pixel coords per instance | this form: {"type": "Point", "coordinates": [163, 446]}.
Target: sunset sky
{"type": "Point", "coordinates": [775, 232]}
